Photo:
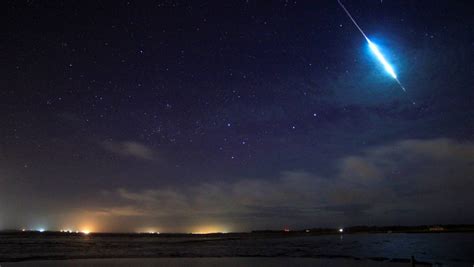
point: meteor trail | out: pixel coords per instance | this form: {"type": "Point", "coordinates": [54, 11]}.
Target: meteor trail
{"type": "Point", "coordinates": [374, 48]}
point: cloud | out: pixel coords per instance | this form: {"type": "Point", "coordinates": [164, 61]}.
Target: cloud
{"type": "Point", "coordinates": [119, 211]}
{"type": "Point", "coordinates": [130, 148]}
{"type": "Point", "coordinates": [425, 177]}
{"type": "Point", "coordinates": [411, 181]}
{"type": "Point", "coordinates": [248, 203]}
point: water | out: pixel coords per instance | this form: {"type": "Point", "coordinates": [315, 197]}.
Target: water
{"type": "Point", "coordinates": [457, 248]}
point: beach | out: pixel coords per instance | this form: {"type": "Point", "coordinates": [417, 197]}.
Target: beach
{"type": "Point", "coordinates": [201, 262]}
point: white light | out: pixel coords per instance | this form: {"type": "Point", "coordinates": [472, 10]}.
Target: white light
{"type": "Point", "coordinates": [152, 232]}
{"type": "Point", "coordinates": [41, 230]}
{"type": "Point", "coordinates": [341, 230]}
{"type": "Point", "coordinates": [382, 59]}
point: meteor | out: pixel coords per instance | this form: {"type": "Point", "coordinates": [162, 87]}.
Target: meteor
{"type": "Point", "coordinates": [373, 47]}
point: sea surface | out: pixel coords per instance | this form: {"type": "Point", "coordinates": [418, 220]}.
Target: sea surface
{"type": "Point", "coordinates": [441, 248]}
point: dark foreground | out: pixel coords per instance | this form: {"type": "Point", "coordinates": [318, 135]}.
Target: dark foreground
{"type": "Point", "coordinates": [206, 262]}
{"type": "Point", "coordinates": [441, 248]}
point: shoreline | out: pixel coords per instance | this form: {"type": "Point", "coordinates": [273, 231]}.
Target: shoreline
{"type": "Point", "coordinates": [216, 261]}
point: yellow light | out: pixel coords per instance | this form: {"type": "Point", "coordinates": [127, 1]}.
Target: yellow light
{"type": "Point", "coordinates": [87, 227]}
{"type": "Point", "coordinates": [209, 230]}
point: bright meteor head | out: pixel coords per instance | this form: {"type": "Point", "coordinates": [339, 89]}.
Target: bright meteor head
{"type": "Point", "coordinates": [382, 59]}
{"type": "Point", "coordinates": [374, 49]}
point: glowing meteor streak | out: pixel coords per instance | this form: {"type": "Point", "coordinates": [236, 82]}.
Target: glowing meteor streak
{"type": "Point", "coordinates": [380, 57]}
{"type": "Point", "coordinates": [374, 49]}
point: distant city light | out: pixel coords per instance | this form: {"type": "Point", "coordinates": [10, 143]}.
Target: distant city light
{"type": "Point", "coordinates": [341, 230]}
{"type": "Point", "coordinates": [148, 230]}
{"type": "Point", "coordinates": [210, 229]}
{"type": "Point", "coordinates": [41, 230]}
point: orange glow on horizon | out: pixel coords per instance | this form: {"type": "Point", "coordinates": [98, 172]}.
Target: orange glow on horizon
{"type": "Point", "coordinates": [209, 229]}
{"type": "Point", "coordinates": [86, 223]}
{"type": "Point", "coordinates": [87, 227]}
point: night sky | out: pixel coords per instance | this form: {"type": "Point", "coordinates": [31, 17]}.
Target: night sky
{"type": "Point", "coordinates": [234, 115]}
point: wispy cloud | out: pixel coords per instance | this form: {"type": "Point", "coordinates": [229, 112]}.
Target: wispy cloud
{"type": "Point", "coordinates": [130, 148]}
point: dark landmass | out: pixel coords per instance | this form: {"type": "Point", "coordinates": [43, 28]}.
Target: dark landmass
{"type": "Point", "coordinates": [382, 229]}
{"type": "Point", "coordinates": [311, 231]}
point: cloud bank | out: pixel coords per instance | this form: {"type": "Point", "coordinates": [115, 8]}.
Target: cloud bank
{"type": "Point", "coordinates": [407, 182]}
